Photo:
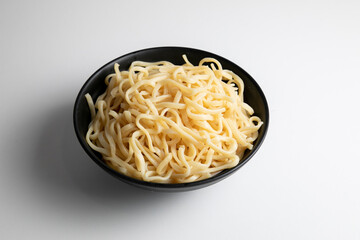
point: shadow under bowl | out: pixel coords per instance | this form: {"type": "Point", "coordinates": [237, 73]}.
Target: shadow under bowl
{"type": "Point", "coordinates": [95, 86]}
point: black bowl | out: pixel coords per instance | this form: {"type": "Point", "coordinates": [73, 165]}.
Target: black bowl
{"type": "Point", "coordinates": [95, 86]}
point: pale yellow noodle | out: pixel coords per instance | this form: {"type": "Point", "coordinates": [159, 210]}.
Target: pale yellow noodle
{"type": "Point", "coordinates": [166, 123]}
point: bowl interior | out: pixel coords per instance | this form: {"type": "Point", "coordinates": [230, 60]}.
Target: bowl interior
{"type": "Point", "coordinates": [95, 86]}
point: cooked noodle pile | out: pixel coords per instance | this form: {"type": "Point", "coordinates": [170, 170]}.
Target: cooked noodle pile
{"type": "Point", "coordinates": [166, 123]}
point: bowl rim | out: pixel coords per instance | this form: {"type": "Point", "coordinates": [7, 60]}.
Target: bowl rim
{"type": "Point", "coordinates": [169, 186]}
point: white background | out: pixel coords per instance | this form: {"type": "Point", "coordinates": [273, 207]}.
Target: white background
{"type": "Point", "coordinates": [304, 183]}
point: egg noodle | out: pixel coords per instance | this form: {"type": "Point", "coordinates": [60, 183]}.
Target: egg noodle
{"type": "Point", "coordinates": [166, 123]}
